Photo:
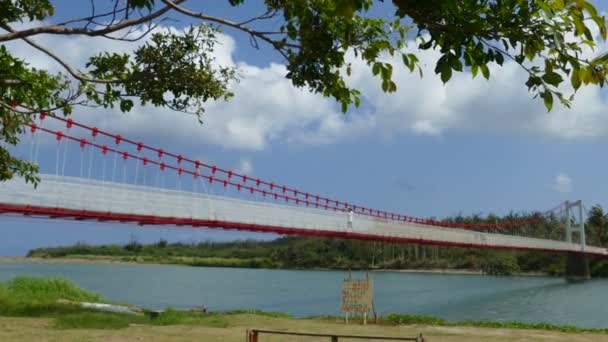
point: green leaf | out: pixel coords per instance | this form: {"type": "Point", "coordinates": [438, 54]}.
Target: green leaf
{"type": "Point", "coordinates": [139, 4]}
{"type": "Point", "coordinates": [126, 105]}
{"type": "Point", "coordinates": [553, 78]}
{"type": "Point", "coordinates": [413, 58]}
{"type": "Point", "coordinates": [427, 45]}
{"type": "Point", "coordinates": [499, 58]}
{"type": "Point", "coordinates": [485, 71]}
{"type": "Point", "coordinates": [585, 75]}
{"type": "Point", "coordinates": [575, 79]}
{"type": "Point", "coordinates": [406, 61]}
{"type": "Point", "coordinates": [410, 61]}
{"type": "Point", "coordinates": [392, 87]}
{"type": "Point", "coordinates": [474, 70]}
{"type": "Point", "coordinates": [548, 99]}
{"type": "Point", "coordinates": [446, 73]}
{"type": "Point", "coordinates": [376, 69]}
{"type": "Point", "coordinates": [455, 63]}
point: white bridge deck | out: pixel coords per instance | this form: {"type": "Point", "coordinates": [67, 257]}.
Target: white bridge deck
{"type": "Point", "coordinates": [93, 196]}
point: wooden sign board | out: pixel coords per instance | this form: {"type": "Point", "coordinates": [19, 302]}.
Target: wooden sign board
{"type": "Point", "coordinates": [357, 295]}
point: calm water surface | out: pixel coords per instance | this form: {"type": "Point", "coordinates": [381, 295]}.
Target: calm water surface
{"type": "Point", "coordinates": [305, 293]}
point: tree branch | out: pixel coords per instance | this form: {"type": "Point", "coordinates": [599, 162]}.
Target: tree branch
{"type": "Point", "coordinates": [31, 110]}
{"type": "Point", "coordinates": [267, 15]}
{"type": "Point", "coordinates": [92, 14]}
{"type": "Point", "coordinates": [7, 82]}
{"type": "Point", "coordinates": [55, 29]}
{"type": "Point", "coordinates": [91, 18]}
{"type": "Point", "coordinates": [58, 59]}
{"type": "Point", "coordinates": [276, 44]}
{"type": "Point", "coordinates": [125, 36]}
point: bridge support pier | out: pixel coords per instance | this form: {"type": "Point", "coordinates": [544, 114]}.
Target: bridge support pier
{"type": "Point", "coordinates": [577, 266]}
{"type": "Point", "coordinates": [577, 263]}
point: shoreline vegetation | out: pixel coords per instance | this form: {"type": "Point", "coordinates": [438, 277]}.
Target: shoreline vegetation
{"type": "Point", "coordinates": [97, 259]}
{"type": "Point", "coordinates": [50, 298]}
{"type": "Point", "coordinates": [100, 259]}
{"type": "Point", "coordinates": [312, 253]}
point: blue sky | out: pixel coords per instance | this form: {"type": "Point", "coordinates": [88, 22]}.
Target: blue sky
{"type": "Point", "coordinates": [471, 147]}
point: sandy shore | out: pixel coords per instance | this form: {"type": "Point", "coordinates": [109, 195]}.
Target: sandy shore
{"type": "Point", "coordinates": [111, 260]}
{"type": "Point", "coordinates": [41, 329]}
{"type": "Point", "coordinates": [100, 260]}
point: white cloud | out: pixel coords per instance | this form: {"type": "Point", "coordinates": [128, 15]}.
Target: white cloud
{"type": "Point", "coordinates": [562, 183]}
{"type": "Point", "coordinates": [502, 104]}
{"type": "Point", "coordinates": [245, 167]}
{"type": "Point", "coordinates": [267, 108]}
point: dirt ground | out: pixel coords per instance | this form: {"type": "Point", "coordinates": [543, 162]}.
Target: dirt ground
{"type": "Point", "coordinates": [38, 330]}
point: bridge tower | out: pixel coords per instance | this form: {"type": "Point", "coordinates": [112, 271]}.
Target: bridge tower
{"type": "Point", "coordinates": [577, 263]}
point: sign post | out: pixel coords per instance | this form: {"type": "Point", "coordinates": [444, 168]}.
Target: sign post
{"type": "Point", "coordinates": [357, 296]}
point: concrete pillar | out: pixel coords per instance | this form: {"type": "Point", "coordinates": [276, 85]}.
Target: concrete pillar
{"type": "Point", "coordinates": [581, 218]}
{"type": "Point", "coordinates": [577, 263]}
{"type": "Point", "coordinates": [568, 222]}
{"type": "Point", "coordinates": [577, 266]}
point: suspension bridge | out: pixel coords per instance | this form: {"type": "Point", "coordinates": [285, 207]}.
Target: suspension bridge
{"type": "Point", "coordinates": [105, 177]}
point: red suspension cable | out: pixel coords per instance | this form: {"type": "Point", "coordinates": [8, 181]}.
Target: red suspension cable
{"type": "Point", "coordinates": [298, 196]}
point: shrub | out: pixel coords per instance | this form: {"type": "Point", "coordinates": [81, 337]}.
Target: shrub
{"type": "Point", "coordinates": [37, 290]}
{"type": "Point", "coordinates": [505, 264]}
{"type": "Point", "coordinates": [173, 317]}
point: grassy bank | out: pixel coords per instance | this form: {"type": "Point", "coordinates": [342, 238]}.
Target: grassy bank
{"type": "Point", "coordinates": [32, 297]}
{"type": "Point", "coordinates": [433, 321]}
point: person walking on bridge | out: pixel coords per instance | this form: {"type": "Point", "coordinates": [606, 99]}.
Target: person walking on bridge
{"type": "Point", "coordinates": [349, 222]}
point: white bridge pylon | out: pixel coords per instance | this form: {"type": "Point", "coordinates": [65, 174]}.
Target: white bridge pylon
{"type": "Point", "coordinates": [79, 198]}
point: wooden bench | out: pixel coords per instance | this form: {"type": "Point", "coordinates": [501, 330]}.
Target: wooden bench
{"type": "Point", "coordinates": [253, 335]}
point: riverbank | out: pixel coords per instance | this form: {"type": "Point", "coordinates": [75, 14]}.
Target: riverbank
{"type": "Point", "coordinates": [92, 259]}
{"type": "Point", "coordinates": [34, 309]}
{"type": "Point", "coordinates": [43, 329]}
{"type": "Point", "coordinates": [75, 260]}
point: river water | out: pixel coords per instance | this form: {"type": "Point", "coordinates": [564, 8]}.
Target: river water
{"type": "Point", "coordinates": [307, 293]}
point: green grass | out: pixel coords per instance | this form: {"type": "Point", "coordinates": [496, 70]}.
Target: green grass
{"type": "Point", "coordinates": [104, 320]}
{"type": "Point", "coordinates": [429, 320]}
{"type": "Point", "coordinates": [31, 297]}
{"type": "Point", "coordinates": [258, 313]}
{"type": "Point", "coordinates": [35, 297]}
{"type": "Point", "coordinates": [97, 320]}
{"type": "Point", "coordinates": [173, 317]}
{"type": "Point", "coordinates": [34, 290]}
